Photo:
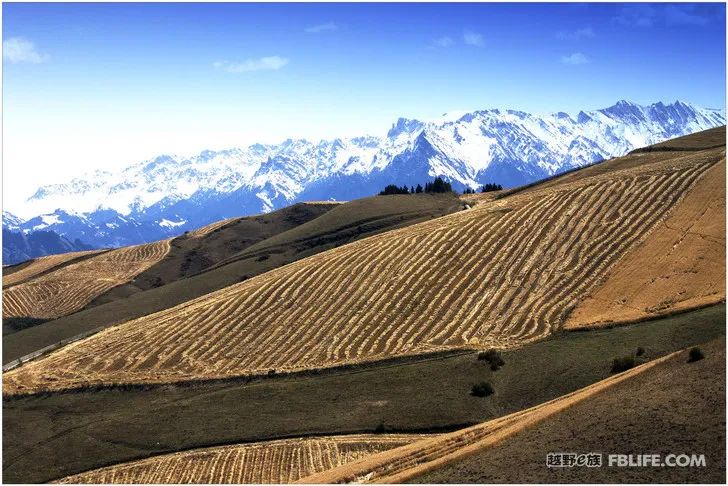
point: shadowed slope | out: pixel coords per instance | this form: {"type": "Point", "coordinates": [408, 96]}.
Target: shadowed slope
{"type": "Point", "coordinates": [425, 393]}
{"type": "Point", "coordinates": [674, 408]}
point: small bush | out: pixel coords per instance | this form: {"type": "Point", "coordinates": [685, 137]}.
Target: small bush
{"type": "Point", "coordinates": [696, 354]}
{"type": "Point", "coordinates": [493, 357]}
{"type": "Point", "coordinates": [263, 258]}
{"type": "Point", "coordinates": [482, 389]}
{"type": "Point", "coordinates": [379, 429]}
{"type": "Point", "coordinates": [622, 364]}
{"type": "Point", "coordinates": [640, 351]}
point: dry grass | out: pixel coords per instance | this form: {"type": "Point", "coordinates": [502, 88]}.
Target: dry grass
{"type": "Point", "coordinates": [206, 230]}
{"type": "Point", "coordinates": [41, 265]}
{"type": "Point", "coordinates": [73, 286]}
{"type": "Point", "coordinates": [278, 461]}
{"type": "Point", "coordinates": [674, 407]}
{"type": "Point", "coordinates": [403, 463]}
{"type": "Point", "coordinates": [680, 265]}
{"type": "Point", "coordinates": [502, 274]}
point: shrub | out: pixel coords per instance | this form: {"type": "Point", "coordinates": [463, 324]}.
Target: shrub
{"type": "Point", "coordinates": [379, 429]}
{"type": "Point", "coordinates": [622, 364]}
{"type": "Point", "coordinates": [696, 354]}
{"type": "Point", "coordinates": [640, 351]}
{"type": "Point", "coordinates": [493, 357]}
{"type": "Point", "coordinates": [482, 389]}
{"type": "Point", "coordinates": [263, 258]}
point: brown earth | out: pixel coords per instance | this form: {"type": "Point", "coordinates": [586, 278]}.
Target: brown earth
{"type": "Point", "coordinates": [37, 266]}
{"type": "Point", "coordinates": [269, 241]}
{"type": "Point", "coordinates": [50, 436]}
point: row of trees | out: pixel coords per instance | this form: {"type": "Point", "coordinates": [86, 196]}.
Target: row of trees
{"type": "Point", "coordinates": [489, 187]}
{"type": "Point", "coordinates": [438, 185]}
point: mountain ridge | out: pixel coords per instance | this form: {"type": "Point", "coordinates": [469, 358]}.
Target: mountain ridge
{"type": "Point", "coordinates": [167, 195]}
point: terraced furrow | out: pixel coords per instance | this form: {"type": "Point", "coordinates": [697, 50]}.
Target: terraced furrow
{"type": "Point", "coordinates": [72, 287]}
{"type": "Point", "coordinates": [502, 274]}
{"type": "Point", "coordinates": [280, 461]}
{"type": "Point", "coordinates": [41, 265]}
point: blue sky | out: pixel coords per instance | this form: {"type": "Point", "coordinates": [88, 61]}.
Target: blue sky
{"type": "Point", "coordinates": [96, 85]}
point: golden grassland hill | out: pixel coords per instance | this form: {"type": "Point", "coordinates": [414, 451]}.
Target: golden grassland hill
{"type": "Point", "coordinates": [419, 394]}
{"type": "Point", "coordinates": [642, 410]}
{"type": "Point", "coordinates": [15, 274]}
{"type": "Point", "coordinates": [340, 224]}
{"type": "Point", "coordinates": [73, 286]}
{"type": "Point", "coordinates": [680, 265]}
{"type": "Point", "coordinates": [502, 274]}
{"type": "Point", "coordinates": [276, 462]}
{"type": "Point", "coordinates": [674, 408]}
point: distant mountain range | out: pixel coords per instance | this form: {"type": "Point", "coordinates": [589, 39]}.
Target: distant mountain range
{"type": "Point", "coordinates": [168, 195]}
{"type": "Point", "coordinates": [18, 246]}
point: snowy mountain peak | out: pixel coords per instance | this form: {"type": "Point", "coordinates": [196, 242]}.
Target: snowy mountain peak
{"type": "Point", "coordinates": [169, 194]}
{"type": "Point", "coordinates": [404, 125]}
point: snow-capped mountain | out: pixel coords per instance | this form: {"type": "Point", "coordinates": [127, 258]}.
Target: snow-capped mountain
{"type": "Point", "coordinates": [168, 194]}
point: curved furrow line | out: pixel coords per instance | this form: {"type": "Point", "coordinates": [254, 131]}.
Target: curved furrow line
{"type": "Point", "coordinates": [666, 200]}
{"type": "Point", "coordinates": [365, 265]}
{"type": "Point", "coordinates": [470, 246]}
{"type": "Point", "coordinates": [474, 308]}
{"type": "Point", "coordinates": [432, 243]}
{"type": "Point", "coordinates": [306, 312]}
{"type": "Point", "coordinates": [646, 210]}
{"type": "Point", "coordinates": [523, 243]}
{"type": "Point", "coordinates": [427, 293]}
{"type": "Point", "coordinates": [544, 278]}
{"type": "Point", "coordinates": [495, 259]}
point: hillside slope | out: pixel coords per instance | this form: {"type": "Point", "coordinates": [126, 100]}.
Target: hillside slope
{"type": "Point", "coordinates": [649, 414]}
{"type": "Point", "coordinates": [73, 286]}
{"type": "Point", "coordinates": [503, 274]}
{"type": "Point", "coordinates": [627, 408]}
{"type": "Point", "coordinates": [277, 462]}
{"type": "Point", "coordinates": [680, 265]}
{"type": "Point", "coordinates": [25, 271]}
{"type": "Point", "coordinates": [422, 394]}
{"type": "Point", "coordinates": [198, 250]}
{"type": "Point", "coordinates": [340, 224]}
